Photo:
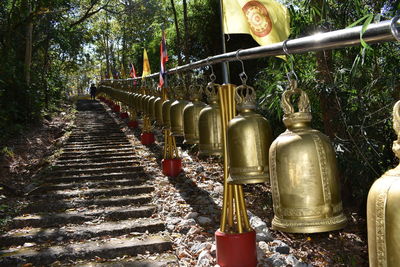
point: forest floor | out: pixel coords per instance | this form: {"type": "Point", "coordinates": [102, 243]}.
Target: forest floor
{"type": "Point", "coordinates": [23, 157]}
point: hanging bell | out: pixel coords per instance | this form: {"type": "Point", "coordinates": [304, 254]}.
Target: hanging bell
{"type": "Point", "coordinates": [304, 177]}
{"type": "Point", "coordinates": [145, 100]}
{"type": "Point", "coordinates": [383, 216]}
{"type": "Point", "coordinates": [176, 113]}
{"type": "Point", "coordinates": [191, 114]}
{"type": "Point", "coordinates": [249, 136]}
{"type": "Point", "coordinates": [148, 106]}
{"type": "Point", "coordinates": [152, 108]}
{"type": "Point", "coordinates": [166, 111]}
{"type": "Point", "coordinates": [158, 111]}
{"type": "Point", "coordinates": [210, 124]}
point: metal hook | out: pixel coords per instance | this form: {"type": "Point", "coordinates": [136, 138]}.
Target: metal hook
{"type": "Point", "coordinates": [291, 73]}
{"type": "Point", "coordinates": [212, 75]}
{"type": "Point", "coordinates": [285, 48]}
{"type": "Point", "coordinates": [243, 76]}
{"type": "Point", "coordinates": [393, 27]}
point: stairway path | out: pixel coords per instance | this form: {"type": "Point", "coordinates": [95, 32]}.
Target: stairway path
{"type": "Point", "coordinates": [94, 203]}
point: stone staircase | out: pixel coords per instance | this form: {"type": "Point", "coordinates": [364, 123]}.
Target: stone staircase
{"type": "Point", "coordinates": [93, 207]}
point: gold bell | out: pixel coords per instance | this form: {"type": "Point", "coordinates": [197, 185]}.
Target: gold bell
{"type": "Point", "coordinates": [166, 114]}
{"type": "Point", "coordinates": [148, 107]}
{"type": "Point", "coordinates": [145, 101]}
{"type": "Point", "coordinates": [249, 136]}
{"type": "Point", "coordinates": [383, 216]}
{"type": "Point", "coordinates": [176, 114]}
{"type": "Point", "coordinates": [191, 114]}
{"type": "Point", "coordinates": [304, 177]}
{"type": "Point", "coordinates": [158, 111]}
{"type": "Point", "coordinates": [210, 124]}
{"type": "Point", "coordinates": [152, 108]}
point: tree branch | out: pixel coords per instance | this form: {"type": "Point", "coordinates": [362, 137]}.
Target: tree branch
{"type": "Point", "coordinates": [88, 14]}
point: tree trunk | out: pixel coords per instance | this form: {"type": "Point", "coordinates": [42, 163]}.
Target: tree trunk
{"type": "Point", "coordinates": [28, 47]}
{"type": "Point", "coordinates": [44, 72]}
{"type": "Point", "coordinates": [178, 36]}
{"type": "Point", "coordinates": [327, 98]}
{"type": "Point", "coordinates": [186, 28]}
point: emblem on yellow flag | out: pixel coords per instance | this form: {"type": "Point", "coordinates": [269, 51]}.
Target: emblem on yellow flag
{"type": "Point", "coordinates": [266, 20]}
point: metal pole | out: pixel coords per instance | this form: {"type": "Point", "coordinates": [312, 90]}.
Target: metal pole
{"type": "Point", "coordinates": [225, 64]}
{"type": "Point", "coordinates": [384, 31]}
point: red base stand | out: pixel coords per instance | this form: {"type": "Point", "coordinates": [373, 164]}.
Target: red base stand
{"type": "Point", "coordinates": [133, 124]}
{"type": "Point", "coordinates": [236, 250]}
{"type": "Point", "coordinates": [116, 108]}
{"type": "Point", "coordinates": [147, 138]}
{"type": "Point", "coordinates": [123, 115]}
{"type": "Point", "coordinates": [171, 167]}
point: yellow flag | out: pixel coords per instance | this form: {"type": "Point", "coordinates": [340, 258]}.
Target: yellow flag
{"type": "Point", "coordinates": [266, 20]}
{"type": "Point", "coordinates": [123, 74]}
{"type": "Point", "coordinates": [146, 64]}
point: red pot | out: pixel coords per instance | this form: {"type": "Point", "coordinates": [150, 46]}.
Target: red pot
{"type": "Point", "coordinates": [171, 167]}
{"type": "Point", "coordinates": [147, 138]}
{"type": "Point", "coordinates": [123, 115]}
{"type": "Point", "coordinates": [236, 250]}
{"type": "Point", "coordinates": [116, 108]}
{"type": "Point", "coordinates": [133, 124]}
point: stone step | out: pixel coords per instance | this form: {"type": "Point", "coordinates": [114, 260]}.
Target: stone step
{"type": "Point", "coordinates": [62, 205]}
{"type": "Point", "coordinates": [95, 138]}
{"type": "Point", "coordinates": [90, 184]}
{"type": "Point", "coordinates": [95, 144]}
{"type": "Point", "coordinates": [81, 232]}
{"type": "Point", "coordinates": [96, 165]}
{"type": "Point", "coordinates": [107, 248]}
{"type": "Point", "coordinates": [94, 171]}
{"type": "Point", "coordinates": [96, 156]}
{"type": "Point", "coordinates": [79, 178]}
{"type": "Point", "coordinates": [82, 215]}
{"type": "Point", "coordinates": [91, 193]}
{"type": "Point", "coordinates": [159, 260]}
{"type": "Point", "coordinates": [96, 159]}
{"type": "Point", "coordinates": [84, 153]}
{"type": "Point", "coordinates": [86, 149]}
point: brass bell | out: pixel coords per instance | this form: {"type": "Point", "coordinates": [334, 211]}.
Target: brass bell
{"type": "Point", "coordinates": [148, 105]}
{"type": "Point", "coordinates": [158, 111]}
{"type": "Point", "coordinates": [383, 217]}
{"type": "Point", "coordinates": [249, 136]}
{"type": "Point", "coordinates": [145, 100]}
{"type": "Point", "coordinates": [152, 108]}
{"type": "Point", "coordinates": [304, 178]}
{"type": "Point", "coordinates": [166, 111]}
{"type": "Point", "coordinates": [210, 124]}
{"type": "Point", "coordinates": [139, 101]}
{"type": "Point", "coordinates": [176, 113]}
{"type": "Point", "coordinates": [191, 114]}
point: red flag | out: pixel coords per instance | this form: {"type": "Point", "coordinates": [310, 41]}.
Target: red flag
{"type": "Point", "coordinates": [163, 59]}
{"type": "Point", "coordinates": [132, 73]}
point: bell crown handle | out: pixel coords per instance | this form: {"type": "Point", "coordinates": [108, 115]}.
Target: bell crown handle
{"type": "Point", "coordinates": [195, 91]}
{"type": "Point", "coordinates": [211, 91]}
{"type": "Point", "coordinates": [245, 96]}
{"type": "Point", "coordinates": [303, 104]}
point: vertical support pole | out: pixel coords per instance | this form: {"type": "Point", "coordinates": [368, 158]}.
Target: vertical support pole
{"type": "Point", "coordinates": [171, 163]}
{"type": "Point", "coordinates": [236, 246]}
{"type": "Point", "coordinates": [225, 65]}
